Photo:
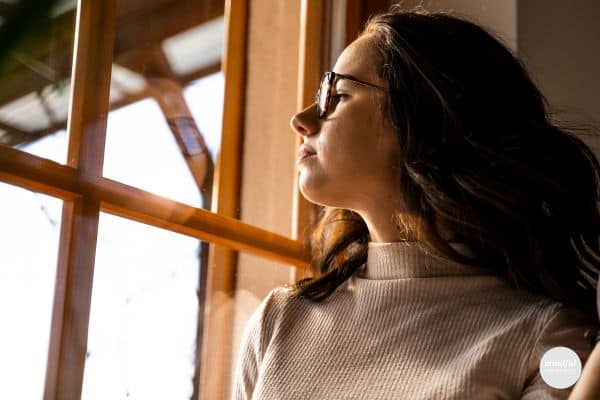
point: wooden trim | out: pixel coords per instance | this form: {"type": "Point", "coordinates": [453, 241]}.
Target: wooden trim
{"type": "Point", "coordinates": [45, 176]}
{"type": "Point", "coordinates": [92, 61]}
{"type": "Point", "coordinates": [358, 12]}
{"type": "Point", "coordinates": [220, 285]}
{"type": "Point", "coordinates": [310, 68]}
{"type": "Point", "coordinates": [354, 19]}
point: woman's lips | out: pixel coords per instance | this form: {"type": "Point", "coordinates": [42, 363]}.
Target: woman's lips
{"type": "Point", "coordinates": [305, 151]}
{"type": "Point", "coordinates": [304, 154]}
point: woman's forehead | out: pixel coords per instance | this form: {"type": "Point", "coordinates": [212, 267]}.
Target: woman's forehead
{"type": "Point", "coordinates": [359, 59]}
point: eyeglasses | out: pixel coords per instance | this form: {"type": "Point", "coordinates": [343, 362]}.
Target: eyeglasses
{"type": "Point", "coordinates": [327, 82]}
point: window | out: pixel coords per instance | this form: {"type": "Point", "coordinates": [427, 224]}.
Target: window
{"type": "Point", "coordinates": [27, 276]}
{"type": "Point", "coordinates": [150, 61]}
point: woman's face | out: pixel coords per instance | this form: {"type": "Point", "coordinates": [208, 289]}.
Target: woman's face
{"type": "Point", "coordinates": [355, 165]}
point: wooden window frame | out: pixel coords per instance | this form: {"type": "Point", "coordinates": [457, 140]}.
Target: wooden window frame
{"type": "Point", "coordinates": [311, 63]}
{"type": "Point", "coordinates": [85, 193]}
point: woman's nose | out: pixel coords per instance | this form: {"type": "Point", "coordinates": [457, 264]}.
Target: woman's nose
{"type": "Point", "coordinates": [305, 122]}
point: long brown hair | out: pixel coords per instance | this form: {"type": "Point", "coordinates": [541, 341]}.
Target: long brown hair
{"type": "Point", "coordinates": [479, 158]}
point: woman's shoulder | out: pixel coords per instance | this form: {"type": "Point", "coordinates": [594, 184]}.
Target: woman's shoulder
{"type": "Point", "coordinates": [538, 309]}
{"type": "Point", "coordinates": [272, 307]}
{"type": "Point", "coordinates": [266, 318]}
{"type": "Point", "coordinates": [562, 325]}
{"type": "Point", "coordinates": [559, 325]}
{"type": "Point", "coordinates": [562, 321]}
{"type": "Point", "coordinates": [541, 322]}
{"type": "Point", "coordinates": [279, 297]}
{"type": "Point", "coordinates": [553, 320]}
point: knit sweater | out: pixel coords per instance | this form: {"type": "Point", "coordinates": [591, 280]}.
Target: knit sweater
{"type": "Point", "coordinates": [407, 325]}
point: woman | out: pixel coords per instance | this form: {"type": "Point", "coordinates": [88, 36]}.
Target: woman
{"type": "Point", "coordinates": [460, 232]}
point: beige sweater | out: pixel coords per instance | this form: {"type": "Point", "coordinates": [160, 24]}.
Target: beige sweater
{"type": "Point", "coordinates": [407, 325]}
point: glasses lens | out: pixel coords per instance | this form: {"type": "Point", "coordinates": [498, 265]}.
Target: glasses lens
{"type": "Point", "coordinates": [318, 101]}
{"type": "Point", "coordinates": [323, 95]}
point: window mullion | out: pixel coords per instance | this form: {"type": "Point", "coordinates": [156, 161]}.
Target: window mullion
{"type": "Point", "coordinates": [217, 332]}
{"type": "Point", "coordinates": [90, 84]}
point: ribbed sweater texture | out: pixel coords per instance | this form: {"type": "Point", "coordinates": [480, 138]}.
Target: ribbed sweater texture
{"type": "Point", "coordinates": [407, 325]}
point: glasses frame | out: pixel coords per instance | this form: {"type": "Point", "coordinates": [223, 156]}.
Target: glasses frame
{"type": "Point", "coordinates": [328, 81]}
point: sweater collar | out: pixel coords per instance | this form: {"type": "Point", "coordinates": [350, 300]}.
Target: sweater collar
{"type": "Point", "coordinates": [397, 260]}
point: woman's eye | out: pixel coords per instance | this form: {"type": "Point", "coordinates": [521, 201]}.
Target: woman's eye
{"type": "Point", "coordinates": [339, 96]}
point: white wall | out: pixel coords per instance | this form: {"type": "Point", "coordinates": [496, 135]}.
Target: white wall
{"type": "Point", "coordinates": [498, 16]}
{"type": "Point", "coordinates": [560, 44]}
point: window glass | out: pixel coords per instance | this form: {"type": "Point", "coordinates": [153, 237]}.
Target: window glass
{"type": "Point", "coordinates": [163, 130]}
{"type": "Point", "coordinates": [144, 313]}
{"type": "Point", "coordinates": [35, 76]}
{"type": "Point", "coordinates": [29, 236]}
{"type": "Point", "coordinates": [141, 152]}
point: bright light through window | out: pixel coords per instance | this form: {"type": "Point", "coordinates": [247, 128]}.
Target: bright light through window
{"type": "Point", "coordinates": [143, 322]}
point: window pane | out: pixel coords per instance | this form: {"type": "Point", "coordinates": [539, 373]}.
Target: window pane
{"type": "Point", "coordinates": [143, 321]}
{"type": "Point", "coordinates": [208, 113]}
{"type": "Point", "coordinates": [29, 236]}
{"type": "Point", "coordinates": [140, 151]}
{"type": "Point", "coordinates": [154, 71]}
{"type": "Point", "coordinates": [35, 82]}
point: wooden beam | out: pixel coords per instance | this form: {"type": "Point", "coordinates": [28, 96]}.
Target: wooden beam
{"type": "Point", "coordinates": [169, 96]}
{"type": "Point", "coordinates": [201, 73]}
{"type": "Point", "coordinates": [220, 286]}
{"type": "Point", "coordinates": [92, 64]}
{"type": "Point", "coordinates": [13, 130]}
{"type": "Point", "coordinates": [16, 138]}
{"type": "Point", "coordinates": [50, 114]}
{"type": "Point", "coordinates": [57, 180]}
{"type": "Point", "coordinates": [150, 62]}
{"type": "Point", "coordinates": [167, 18]}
